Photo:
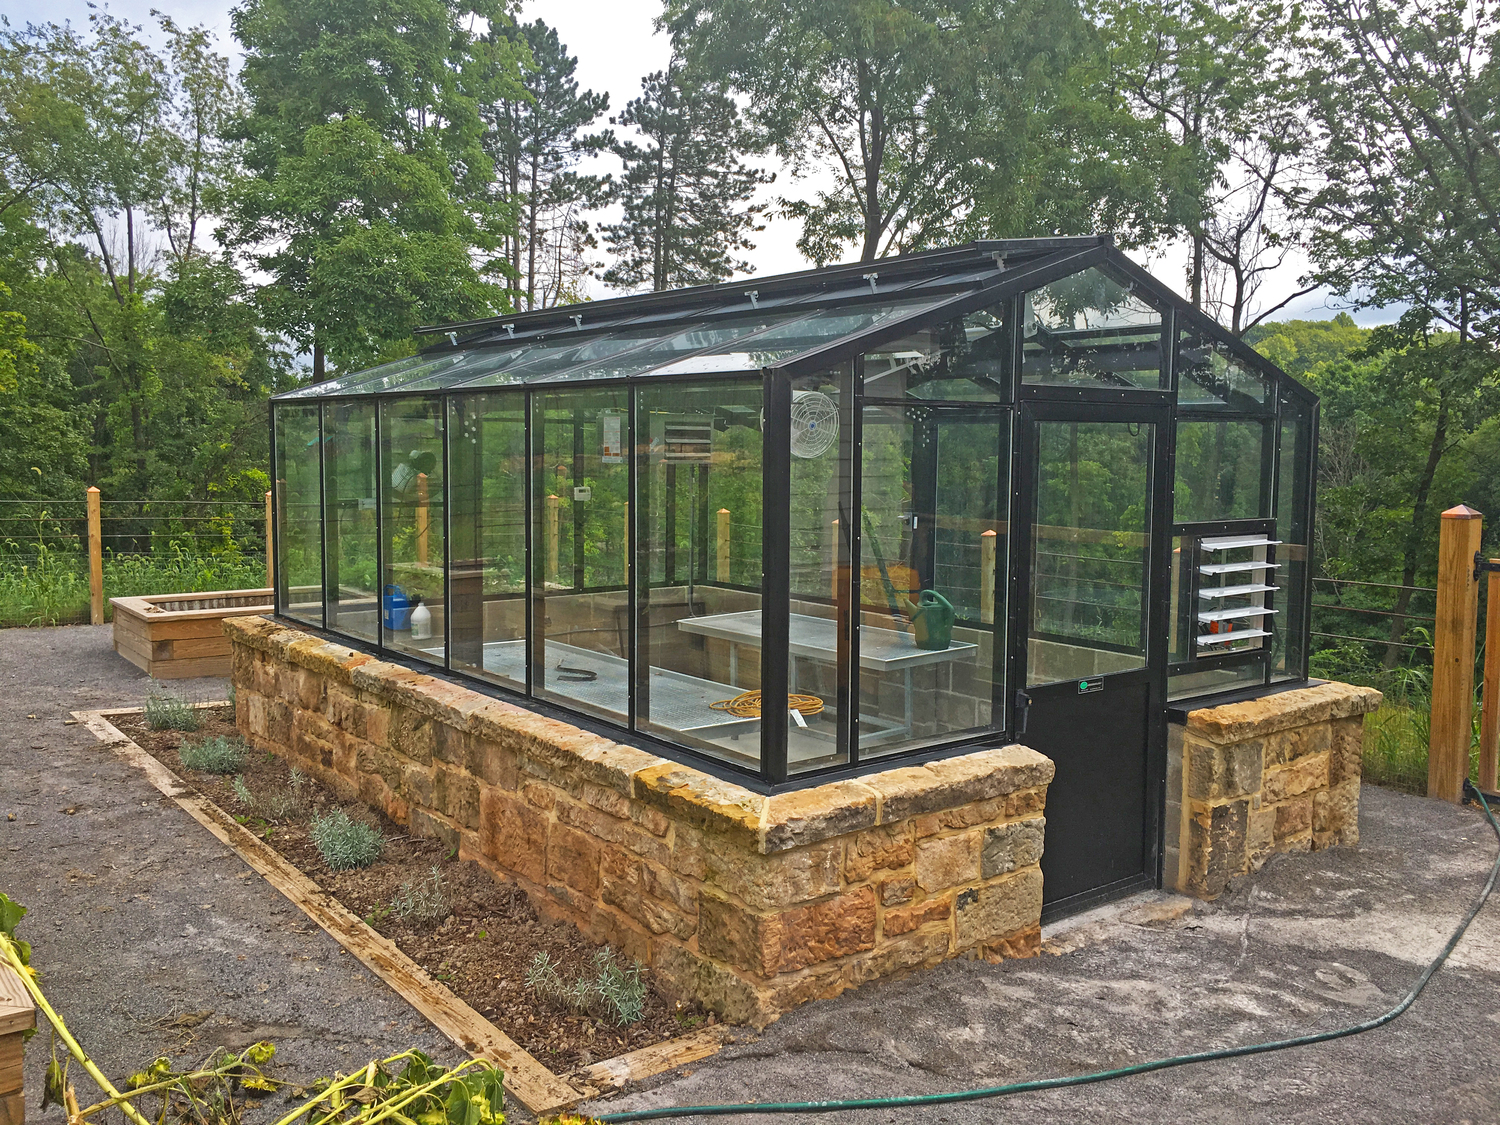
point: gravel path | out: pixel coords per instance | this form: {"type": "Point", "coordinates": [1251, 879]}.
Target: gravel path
{"type": "Point", "coordinates": [154, 938]}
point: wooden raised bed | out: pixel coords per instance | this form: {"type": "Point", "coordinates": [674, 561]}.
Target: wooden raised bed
{"type": "Point", "coordinates": [17, 1016]}
{"type": "Point", "coordinates": [174, 636]}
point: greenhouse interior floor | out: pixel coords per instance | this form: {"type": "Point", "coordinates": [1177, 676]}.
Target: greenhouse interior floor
{"type": "Point", "coordinates": [140, 920]}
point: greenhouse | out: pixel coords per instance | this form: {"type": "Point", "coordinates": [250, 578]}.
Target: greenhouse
{"type": "Point", "coordinates": [828, 523]}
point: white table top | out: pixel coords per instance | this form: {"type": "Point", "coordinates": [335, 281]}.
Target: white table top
{"type": "Point", "coordinates": [880, 650]}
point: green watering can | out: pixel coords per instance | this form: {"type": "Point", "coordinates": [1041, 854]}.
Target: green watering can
{"type": "Point", "coordinates": [932, 621]}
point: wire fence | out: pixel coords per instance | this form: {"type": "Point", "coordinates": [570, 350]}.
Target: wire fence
{"type": "Point", "coordinates": [146, 547]}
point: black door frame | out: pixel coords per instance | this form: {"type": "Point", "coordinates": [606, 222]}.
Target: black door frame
{"type": "Point", "coordinates": [1151, 408]}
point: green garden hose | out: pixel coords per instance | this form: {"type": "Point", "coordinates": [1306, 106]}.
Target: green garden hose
{"type": "Point", "coordinates": [1470, 793]}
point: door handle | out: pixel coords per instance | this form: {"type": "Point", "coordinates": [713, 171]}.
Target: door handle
{"type": "Point", "coordinates": [1023, 712]}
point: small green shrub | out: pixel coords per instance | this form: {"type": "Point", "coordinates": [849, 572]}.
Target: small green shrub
{"type": "Point", "coordinates": [423, 900]}
{"type": "Point", "coordinates": [615, 991]}
{"type": "Point", "coordinates": [215, 755]}
{"type": "Point", "coordinates": [242, 792]}
{"type": "Point", "coordinates": [165, 711]}
{"type": "Point", "coordinates": [346, 844]}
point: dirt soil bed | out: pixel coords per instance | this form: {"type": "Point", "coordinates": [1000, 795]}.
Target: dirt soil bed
{"type": "Point", "coordinates": [484, 946]}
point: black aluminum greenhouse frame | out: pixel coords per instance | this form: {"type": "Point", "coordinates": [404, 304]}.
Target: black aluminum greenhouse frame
{"type": "Point", "coordinates": [1079, 502]}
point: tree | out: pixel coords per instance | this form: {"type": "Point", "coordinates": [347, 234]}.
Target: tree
{"type": "Point", "coordinates": [1220, 78]}
{"type": "Point", "coordinates": [937, 120]}
{"type": "Point", "coordinates": [1406, 97]}
{"type": "Point", "coordinates": [685, 191]}
{"type": "Point", "coordinates": [399, 85]}
{"type": "Point", "coordinates": [536, 142]}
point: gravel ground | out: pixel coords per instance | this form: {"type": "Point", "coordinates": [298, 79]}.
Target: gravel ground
{"type": "Point", "coordinates": [153, 937]}
{"type": "Point", "coordinates": [140, 918]}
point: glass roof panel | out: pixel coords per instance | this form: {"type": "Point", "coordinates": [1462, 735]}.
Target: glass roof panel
{"type": "Point", "coordinates": [561, 355]}
{"type": "Point", "coordinates": [472, 365]}
{"type": "Point", "coordinates": [695, 339]}
{"type": "Point", "coordinates": [344, 383]}
{"type": "Point", "coordinates": [785, 341]}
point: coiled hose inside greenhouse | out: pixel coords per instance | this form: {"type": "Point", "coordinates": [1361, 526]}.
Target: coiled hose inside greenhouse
{"type": "Point", "coordinates": [984, 1092]}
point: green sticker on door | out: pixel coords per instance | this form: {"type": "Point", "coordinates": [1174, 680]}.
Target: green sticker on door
{"type": "Point", "coordinates": [1086, 686]}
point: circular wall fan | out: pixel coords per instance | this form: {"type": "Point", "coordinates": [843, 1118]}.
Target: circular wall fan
{"type": "Point", "coordinates": [815, 423]}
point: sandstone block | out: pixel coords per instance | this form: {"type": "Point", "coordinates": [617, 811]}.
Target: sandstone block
{"type": "Point", "coordinates": [1216, 771]}
{"type": "Point", "coordinates": [948, 861]}
{"type": "Point", "coordinates": [689, 975]}
{"type": "Point", "coordinates": [1022, 944]}
{"type": "Point", "coordinates": [612, 830]}
{"type": "Point", "coordinates": [1337, 808]}
{"type": "Point", "coordinates": [897, 890]}
{"type": "Point", "coordinates": [1013, 845]}
{"type": "Point", "coordinates": [1260, 836]}
{"type": "Point", "coordinates": [1293, 816]}
{"type": "Point", "coordinates": [1216, 846]}
{"type": "Point", "coordinates": [429, 825]}
{"type": "Point", "coordinates": [650, 896]}
{"type": "Point", "coordinates": [996, 909]}
{"type": "Point", "coordinates": [769, 944]}
{"type": "Point", "coordinates": [904, 919]}
{"type": "Point", "coordinates": [886, 847]}
{"type": "Point", "coordinates": [917, 949]}
{"type": "Point", "coordinates": [1298, 742]}
{"type": "Point", "coordinates": [513, 834]}
{"type": "Point", "coordinates": [456, 795]}
{"type": "Point", "coordinates": [1293, 780]}
{"type": "Point", "coordinates": [573, 859]}
{"type": "Point", "coordinates": [1346, 749]}
{"type": "Point", "coordinates": [411, 734]}
{"type": "Point", "coordinates": [965, 816]}
{"type": "Point", "coordinates": [766, 882]}
{"type": "Point", "coordinates": [918, 790]}
{"type": "Point", "coordinates": [809, 815]}
{"type": "Point", "coordinates": [703, 801]}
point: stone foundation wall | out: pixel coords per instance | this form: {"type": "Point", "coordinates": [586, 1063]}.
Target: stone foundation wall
{"type": "Point", "coordinates": [1247, 780]}
{"type": "Point", "coordinates": [751, 904]}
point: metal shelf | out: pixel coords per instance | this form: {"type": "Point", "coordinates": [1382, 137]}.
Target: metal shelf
{"type": "Point", "coordinates": [1236, 613]}
{"type": "Point", "coordinates": [1225, 638]}
{"type": "Point", "coordinates": [1234, 591]}
{"type": "Point", "coordinates": [1235, 542]}
{"type": "Point", "coordinates": [1237, 567]}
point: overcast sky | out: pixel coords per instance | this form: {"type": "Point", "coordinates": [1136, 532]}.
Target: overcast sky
{"type": "Point", "coordinates": [616, 45]}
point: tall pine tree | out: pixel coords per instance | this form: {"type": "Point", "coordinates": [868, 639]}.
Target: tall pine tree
{"type": "Point", "coordinates": [685, 192]}
{"type": "Point", "coordinates": [537, 140]}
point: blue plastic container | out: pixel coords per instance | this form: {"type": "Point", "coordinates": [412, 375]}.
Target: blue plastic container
{"type": "Point", "coordinates": [397, 608]}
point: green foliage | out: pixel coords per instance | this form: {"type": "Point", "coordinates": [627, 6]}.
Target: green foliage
{"type": "Point", "coordinates": [424, 900]}
{"type": "Point", "coordinates": [346, 844]}
{"type": "Point", "coordinates": [614, 991]}
{"type": "Point", "coordinates": [685, 192]}
{"type": "Point", "coordinates": [170, 711]}
{"type": "Point", "coordinates": [11, 913]}
{"type": "Point", "coordinates": [219, 754]}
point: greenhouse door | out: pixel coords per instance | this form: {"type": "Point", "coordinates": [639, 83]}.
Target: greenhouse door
{"type": "Point", "coordinates": [1086, 644]}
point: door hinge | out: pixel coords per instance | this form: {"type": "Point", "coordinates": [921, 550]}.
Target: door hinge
{"type": "Point", "coordinates": [1023, 712]}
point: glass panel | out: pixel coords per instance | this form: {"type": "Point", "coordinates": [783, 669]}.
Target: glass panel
{"type": "Point", "coordinates": [931, 655]}
{"type": "Point", "coordinates": [1091, 330]}
{"type": "Point", "coordinates": [1090, 550]}
{"type": "Point", "coordinates": [487, 527]}
{"type": "Point", "coordinates": [1209, 375]}
{"type": "Point", "coordinates": [699, 492]}
{"type": "Point", "coordinates": [1215, 679]}
{"type": "Point", "coordinates": [562, 356]}
{"type": "Point", "coordinates": [1223, 470]}
{"type": "Point", "coordinates": [818, 668]}
{"type": "Point", "coordinates": [792, 338]}
{"type": "Point", "coordinates": [1294, 529]}
{"type": "Point", "coordinates": [683, 341]}
{"type": "Point", "coordinates": [350, 546]}
{"type": "Point", "coordinates": [344, 383]}
{"type": "Point", "coordinates": [494, 364]}
{"type": "Point", "coordinates": [966, 358]}
{"type": "Point", "coordinates": [411, 511]}
{"type": "Point", "coordinates": [299, 535]}
{"type": "Point", "coordinates": [580, 614]}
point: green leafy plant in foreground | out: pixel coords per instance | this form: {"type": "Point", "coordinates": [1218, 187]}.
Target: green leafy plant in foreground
{"type": "Point", "coordinates": [344, 843]}
{"type": "Point", "coordinates": [615, 990]}
{"type": "Point", "coordinates": [423, 900]}
{"type": "Point", "coordinates": [214, 755]}
{"type": "Point", "coordinates": [166, 711]}
{"type": "Point", "coordinates": [404, 1088]}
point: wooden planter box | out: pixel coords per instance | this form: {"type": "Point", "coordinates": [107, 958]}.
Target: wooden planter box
{"type": "Point", "coordinates": [17, 1016]}
{"type": "Point", "coordinates": [174, 636]}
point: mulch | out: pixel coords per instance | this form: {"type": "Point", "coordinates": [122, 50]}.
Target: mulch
{"type": "Point", "coordinates": [481, 950]}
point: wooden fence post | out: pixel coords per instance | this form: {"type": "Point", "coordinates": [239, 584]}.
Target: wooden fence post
{"type": "Point", "coordinates": [721, 545]}
{"type": "Point", "coordinates": [553, 503]}
{"type": "Point", "coordinates": [1489, 724]}
{"type": "Point", "coordinates": [423, 519]}
{"type": "Point", "coordinates": [96, 559]}
{"type": "Point", "coordinates": [1452, 728]}
{"type": "Point", "coordinates": [270, 547]}
{"type": "Point", "coordinates": [987, 542]}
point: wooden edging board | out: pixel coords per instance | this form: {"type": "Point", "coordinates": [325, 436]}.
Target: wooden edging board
{"type": "Point", "coordinates": [536, 1087]}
